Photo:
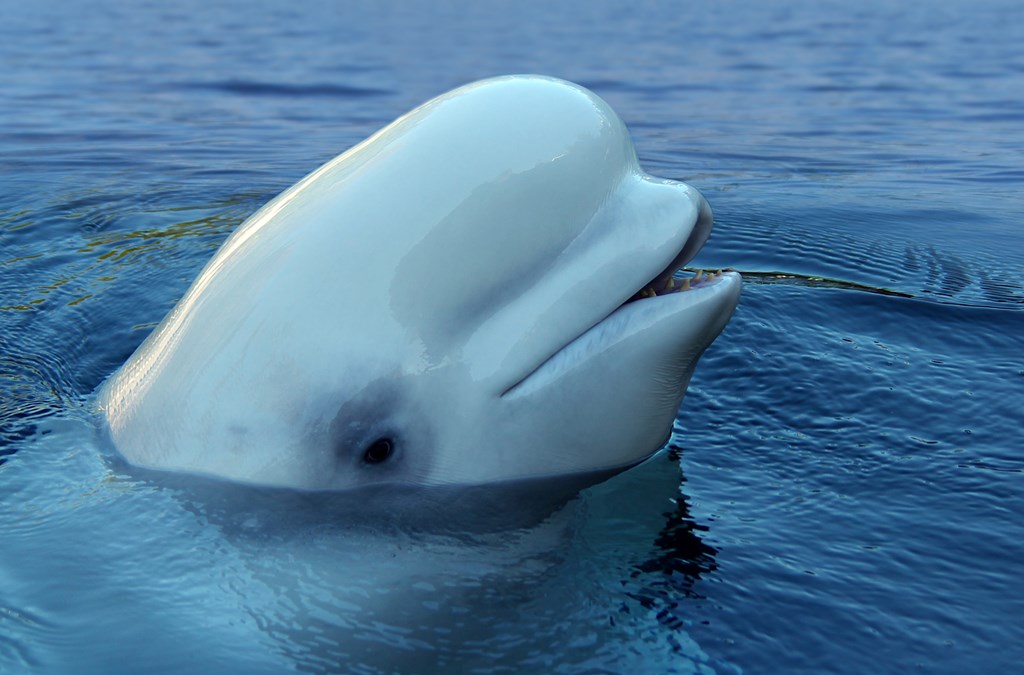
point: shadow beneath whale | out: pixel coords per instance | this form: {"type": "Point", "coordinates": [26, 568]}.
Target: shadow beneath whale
{"type": "Point", "coordinates": [665, 583]}
{"type": "Point", "coordinates": [681, 557]}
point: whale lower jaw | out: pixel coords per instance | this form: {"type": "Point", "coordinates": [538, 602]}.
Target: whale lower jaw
{"type": "Point", "coordinates": [672, 327]}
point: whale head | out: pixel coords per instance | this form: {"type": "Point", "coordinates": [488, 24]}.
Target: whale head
{"type": "Point", "coordinates": [480, 292]}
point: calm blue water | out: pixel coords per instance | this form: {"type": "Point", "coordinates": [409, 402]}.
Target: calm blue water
{"type": "Point", "coordinates": [851, 495]}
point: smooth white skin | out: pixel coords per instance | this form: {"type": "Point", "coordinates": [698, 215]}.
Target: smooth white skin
{"type": "Point", "coordinates": [451, 283]}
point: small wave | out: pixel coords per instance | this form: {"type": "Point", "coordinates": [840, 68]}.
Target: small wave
{"type": "Point", "coordinates": [1000, 466]}
{"type": "Point", "coordinates": [254, 88]}
{"type": "Point", "coordinates": [996, 292]}
{"type": "Point", "coordinates": [793, 279]}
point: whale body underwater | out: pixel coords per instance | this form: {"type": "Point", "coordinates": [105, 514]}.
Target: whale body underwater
{"type": "Point", "coordinates": [482, 292]}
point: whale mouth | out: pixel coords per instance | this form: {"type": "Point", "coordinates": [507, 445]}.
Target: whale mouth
{"type": "Point", "coordinates": [671, 283]}
{"type": "Point", "coordinates": [705, 296]}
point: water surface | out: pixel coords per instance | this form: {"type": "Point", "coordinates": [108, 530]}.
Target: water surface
{"type": "Point", "coordinates": [846, 487]}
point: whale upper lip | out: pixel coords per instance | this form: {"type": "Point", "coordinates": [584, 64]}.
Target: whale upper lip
{"type": "Point", "coordinates": [665, 282]}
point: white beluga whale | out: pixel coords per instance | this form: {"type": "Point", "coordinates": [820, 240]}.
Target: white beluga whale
{"type": "Point", "coordinates": [481, 292]}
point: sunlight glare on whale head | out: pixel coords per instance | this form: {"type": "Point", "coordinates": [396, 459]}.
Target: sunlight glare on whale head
{"type": "Point", "coordinates": [482, 291]}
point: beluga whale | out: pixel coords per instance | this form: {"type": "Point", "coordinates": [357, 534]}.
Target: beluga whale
{"type": "Point", "coordinates": [485, 291]}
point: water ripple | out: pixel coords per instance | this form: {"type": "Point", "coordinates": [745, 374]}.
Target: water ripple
{"type": "Point", "coordinates": [852, 441]}
{"type": "Point", "coordinates": [278, 89]}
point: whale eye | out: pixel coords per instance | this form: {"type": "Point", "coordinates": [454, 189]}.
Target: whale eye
{"type": "Point", "coordinates": [378, 451]}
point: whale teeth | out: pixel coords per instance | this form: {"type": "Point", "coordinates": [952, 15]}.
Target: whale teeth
{"type": "Point", "coordinates": [673, 285]}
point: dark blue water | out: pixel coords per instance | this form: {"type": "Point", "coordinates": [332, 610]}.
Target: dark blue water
{"type": "Point", "coordinates": [852, 487]}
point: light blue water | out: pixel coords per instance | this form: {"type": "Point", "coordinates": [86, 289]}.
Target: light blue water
{"type": "Point", "coordinates": [852, 448]}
